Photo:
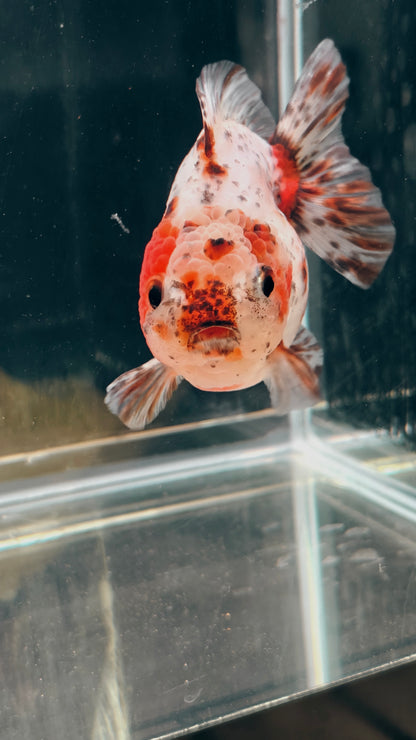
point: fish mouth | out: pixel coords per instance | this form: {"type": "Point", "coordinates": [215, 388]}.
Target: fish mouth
{"type": "Point", "coordinates": [215, 338]}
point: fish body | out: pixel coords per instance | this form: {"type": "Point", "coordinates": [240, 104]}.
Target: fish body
{"type": "Point", "coordinates": [224, 280]}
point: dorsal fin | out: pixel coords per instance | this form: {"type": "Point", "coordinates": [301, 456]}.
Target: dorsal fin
{"type": "Point", "coordinates": [225, 92]}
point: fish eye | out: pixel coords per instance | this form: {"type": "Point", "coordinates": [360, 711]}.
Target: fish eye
{"type": "Point", "coordinates": [155, 294]}
{"type": "Point", "coordinates": [266, 281]}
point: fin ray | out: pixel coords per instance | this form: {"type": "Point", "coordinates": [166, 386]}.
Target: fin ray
{"type": "Point", "coordinates": [293, 380]}
{"type": "Point", "coordinates": [338, 212]}
{"type": "Point", "coordinates": [139, 395]}
{"type": "Point", "coordinates": [225, 92]}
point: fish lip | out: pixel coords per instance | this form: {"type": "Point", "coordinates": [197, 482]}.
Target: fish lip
{"type": "Point", "coordinates": [222, 335]}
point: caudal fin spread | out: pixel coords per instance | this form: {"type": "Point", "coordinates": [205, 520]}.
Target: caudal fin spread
{"type": "Point", "coordinates": [139, 395]}
{"type": "Point", "coordinates": [338, 212]}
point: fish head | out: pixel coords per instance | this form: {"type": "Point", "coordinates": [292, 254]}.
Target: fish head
{"type": "Point", "coordinates": [221, 305]}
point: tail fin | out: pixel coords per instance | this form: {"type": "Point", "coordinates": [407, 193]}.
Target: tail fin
{"type": "Point", "coordinates": [338, 212]}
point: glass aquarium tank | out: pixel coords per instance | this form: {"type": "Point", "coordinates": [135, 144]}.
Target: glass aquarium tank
{"type": "Point", "coordinates": [224, 559]}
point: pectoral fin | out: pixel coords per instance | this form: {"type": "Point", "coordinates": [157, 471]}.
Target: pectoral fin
{"type": "Point", "coordinates": [293, 373]}
{"type": "Point", "coordinates": [139, 395]}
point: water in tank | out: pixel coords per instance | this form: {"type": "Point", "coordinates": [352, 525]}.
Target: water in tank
{"type": "Point", "coordinates": [235, 548]}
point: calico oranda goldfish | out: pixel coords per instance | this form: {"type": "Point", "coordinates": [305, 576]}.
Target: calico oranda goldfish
{"type": "Point", "coordinates": [224, 280]}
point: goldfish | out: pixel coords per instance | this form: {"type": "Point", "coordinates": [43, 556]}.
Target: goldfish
{"type": "Point", "coordinates": [224, 280]}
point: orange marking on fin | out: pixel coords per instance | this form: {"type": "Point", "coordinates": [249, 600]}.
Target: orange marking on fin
{"type": "Point", "coordinates": [334, 111]}
{"type": "Point", "coordinates": [310, 190]}
{"type": "Point", "coordinates": [365, 273]}
{"type": "Point", "coordinates": [334, 79]}
{"type": "Point", "coordinates": [288, 185]}
{"type": "Point", "coordinates": [318, 77]}
{"type": "Point", "coordinates": [354, 186]}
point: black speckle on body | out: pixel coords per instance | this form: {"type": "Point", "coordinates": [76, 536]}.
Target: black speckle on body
{"type": "Point", "coordinates": [207, 196]}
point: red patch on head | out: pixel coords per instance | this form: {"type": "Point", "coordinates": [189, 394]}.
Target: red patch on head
{"type": "Point", "coordinates": [236, 354]}
{"type": "Point", "coordinates": [161, 329]}
{"type": "Point", "coordinates": [217, 248]}
{"type": "Point", "coordinates": [264, 246]}
{"type": "Point", "coordinates": [189, 279]}
{"type": "Point", "coordinates": [155, 260]}
{"type": "Point", "coordinates": [213, 304]}
{"type": "Point", "coordinates": [283, 284]}
{"type": "Point", "coordinates": [263, 243]}
{"type": "Point", "coordinates": [288, 185]}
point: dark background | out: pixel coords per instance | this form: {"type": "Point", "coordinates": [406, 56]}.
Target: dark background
{"type": "Point", "coordinates": [97, 111]}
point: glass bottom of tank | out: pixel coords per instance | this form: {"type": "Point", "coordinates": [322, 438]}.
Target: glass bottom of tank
{"type": "Point", "coordinates": [145, 598]}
